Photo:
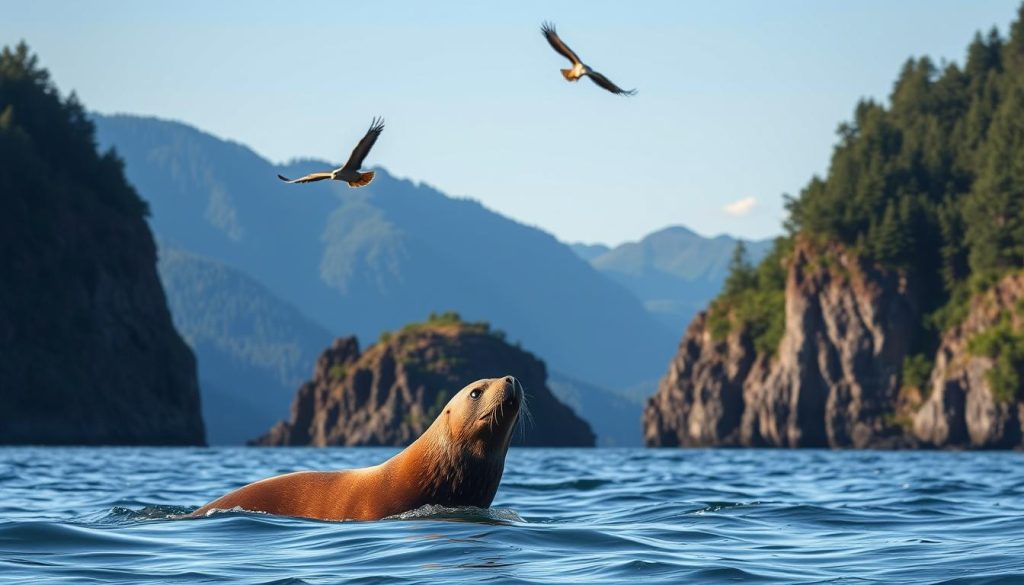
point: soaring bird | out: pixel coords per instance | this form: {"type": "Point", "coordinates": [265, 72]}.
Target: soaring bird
{"type": "Point", "coordinates": [578, 68]}
{"type": "Point", "coordinates": [349, 172]}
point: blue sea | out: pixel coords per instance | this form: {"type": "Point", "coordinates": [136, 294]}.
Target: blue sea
{"type": "Point", "coordinates": [101, 515]}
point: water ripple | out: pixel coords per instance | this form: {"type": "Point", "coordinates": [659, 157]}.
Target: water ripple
{"type": "Point", "coordinates": [561, 515]}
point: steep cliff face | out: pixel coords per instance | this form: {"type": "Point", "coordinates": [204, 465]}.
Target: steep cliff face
{"type": "Point", "coordinates": [88, 353]}
{"type": "Point", "coordinates": [833, 380]}
{"type": "Point", "coordinates": [968, 405]}
{"type": "Point", "coordinates": [699, 402]}
{"type": "Point", "coordinates": [390, 393]}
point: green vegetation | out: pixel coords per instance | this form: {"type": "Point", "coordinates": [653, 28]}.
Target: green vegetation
{"type": "Point", "coordinates": [902, 421]}
{"type": "Point", "coordinates": [1005, 346]}
{"type": "Point", "coordinates": [451, 318]}
{"type": "Point", "coordinates": [932, 184]}
{"type": "Point", "coordinates": [753, 298]}
{"type": "Point", "coordinates": [88, 353]}
{"type": "Point", "coordinates": [49, 143]}
{"type": "Point", "coordinates": [916, 369]}
{"type": "Point", "coordinates": [338, 372]}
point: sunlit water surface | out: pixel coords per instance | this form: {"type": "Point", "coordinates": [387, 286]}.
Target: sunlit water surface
{"type": "Point", "coordinates": [561, 515]}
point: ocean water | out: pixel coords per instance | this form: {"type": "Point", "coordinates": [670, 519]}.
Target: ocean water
{"type": "Point", "coordinates": [87, 515]}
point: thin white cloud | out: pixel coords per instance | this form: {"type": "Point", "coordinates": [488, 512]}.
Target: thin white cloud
{"type": "Point", "coordinates": [741, 206]}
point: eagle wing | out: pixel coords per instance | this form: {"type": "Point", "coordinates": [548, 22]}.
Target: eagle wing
{"type": "Point", "coordinates": [308, 178]}
{"type": "Point", "coordinates": [355, 160]}
{"type": "Point", "coordinates": [548, 30]}
{"type": "Point", "coordinates": [606, 83]}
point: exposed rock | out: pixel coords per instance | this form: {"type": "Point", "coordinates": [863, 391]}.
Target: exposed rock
{"type": "Point", "coordinates": [390, 393]}
{"type": "Point", "coordinates": [961, 410]}
{"type": "Point", "coordinates": [700, 401]}
{"type": "Point", "coordinates": [833, 381]}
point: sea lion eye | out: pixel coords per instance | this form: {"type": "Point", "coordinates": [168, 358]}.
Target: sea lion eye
{"type": "Point", "coordinates": [475, 393]}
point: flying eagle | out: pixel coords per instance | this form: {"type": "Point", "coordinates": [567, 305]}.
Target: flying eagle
{"type": "Point", "coordinates": [350, 171]}
{"type": "Point", "coordinates": [578, 68]}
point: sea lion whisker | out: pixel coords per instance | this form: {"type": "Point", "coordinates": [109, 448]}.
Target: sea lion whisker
{"type": "Point", "coordinates": [526, 408]}
{"type": "Point", "coordinates": [521, 417]}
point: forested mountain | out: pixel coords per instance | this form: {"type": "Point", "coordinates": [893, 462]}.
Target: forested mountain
{"type": "Point", "coordinates": [891, 310]}
{"type": "Point", "coordinates": [674, 271]}
{"type": "Point", "coordinates": [254, 349]}
{"type": "Point", "coordinates": [88, 353]}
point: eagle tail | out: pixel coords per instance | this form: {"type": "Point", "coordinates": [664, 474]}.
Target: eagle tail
{"type": "Point", "coordinates": [567, 74]}
{"type": "Point", "coordinates": [363, 180]}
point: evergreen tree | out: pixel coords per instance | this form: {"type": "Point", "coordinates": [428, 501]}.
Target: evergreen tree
{"type": "Point", "coordinates": [932, 184]}
{"type": "Point", "coordinates": [741, 274]}
{"type": "Point", "coordinates": [994, 211]}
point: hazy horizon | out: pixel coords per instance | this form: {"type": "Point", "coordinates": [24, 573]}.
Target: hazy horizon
{"type": "Point", "coordinates": [738, 102]}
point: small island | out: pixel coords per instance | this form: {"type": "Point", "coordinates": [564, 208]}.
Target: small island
{"type": "Point", "coordinates": [391, 392]}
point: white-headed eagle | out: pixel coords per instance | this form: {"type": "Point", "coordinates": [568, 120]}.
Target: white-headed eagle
{"type": "Point", "coordinates": [578, 68]}
{"type": "Point", "coordinates": [349, 172]}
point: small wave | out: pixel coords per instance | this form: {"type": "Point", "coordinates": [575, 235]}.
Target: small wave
{"type": "Point", "coordinates": [582, 485]}
{"type": "Point", "coordinates": [120, 514]}
{"type": "Point", "coordinates": [57, 536]}
{"type": "Point", "coordinates": [236, 510]}
{"type": "Point", "coordinates": [461, 514]}
{"type": "Point", "coordinates": [711, 507]}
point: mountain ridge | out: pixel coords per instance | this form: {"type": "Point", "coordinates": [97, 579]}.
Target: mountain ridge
{"type": "Point", "coordinates": [674, 271]}
{"type": "Point", "coordinates": [372, 259]}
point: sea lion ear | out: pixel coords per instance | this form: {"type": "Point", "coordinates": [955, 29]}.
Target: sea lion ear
{"type": "Point", "coordinates": [448, 421]}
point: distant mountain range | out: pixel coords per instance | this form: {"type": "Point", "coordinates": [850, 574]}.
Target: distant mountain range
{"type": "Point", "coordinates": [675, 272]}
{"type": "Point", "coordinates": [254, 349]}
{"type": "Point", "coordinates": [340, 261]}
{"type": "Point", "coordinates": [613, 415]}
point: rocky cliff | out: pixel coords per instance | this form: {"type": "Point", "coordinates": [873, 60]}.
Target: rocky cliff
{"type": "Point", "coordinates": [88, 353]}
{"type": "Point", "coordinates": [973, 397]}
{"type": "Point", "coordinates": [902, 324]}
{"type": "Point", "coordinates": [391, 392]}
{"type": "Point", "coordinates": [836, 377]}
{"type": "Point", "coordinates": [832, 381]}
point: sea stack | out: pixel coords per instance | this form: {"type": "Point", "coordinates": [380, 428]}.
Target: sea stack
{"type": "Point", "coordinates": [389, 393]}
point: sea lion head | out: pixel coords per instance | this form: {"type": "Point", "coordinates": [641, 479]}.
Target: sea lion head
{"type": "Point", "coordinates": [465, 447]}
{"type": "Point", "coordinates": [482, 416]}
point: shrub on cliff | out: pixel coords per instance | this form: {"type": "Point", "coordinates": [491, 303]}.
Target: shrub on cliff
{"type": "Point", "coordinates": [753, 298]}
{"type": "Point", "coordinates": [1004, 344]}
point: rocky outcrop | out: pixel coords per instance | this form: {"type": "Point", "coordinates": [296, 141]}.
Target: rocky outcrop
{"type": "Point", "coordinates": [390, 393]}
{"type": "Point", "coordinates": [700, 401]}
{"type": "Point", "coordinates": [88, 353]}
{"type": "Point", "coordinates": [962, 409]}
{"type": "Point", "coordinates": [833, 381]}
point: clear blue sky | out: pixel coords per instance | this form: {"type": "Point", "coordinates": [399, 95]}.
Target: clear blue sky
{"type": "Point", "coordinates": [738, 100]}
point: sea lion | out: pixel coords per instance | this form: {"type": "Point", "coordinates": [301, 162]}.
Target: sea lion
{"type": "Point", "coordinates": [457, 461]}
